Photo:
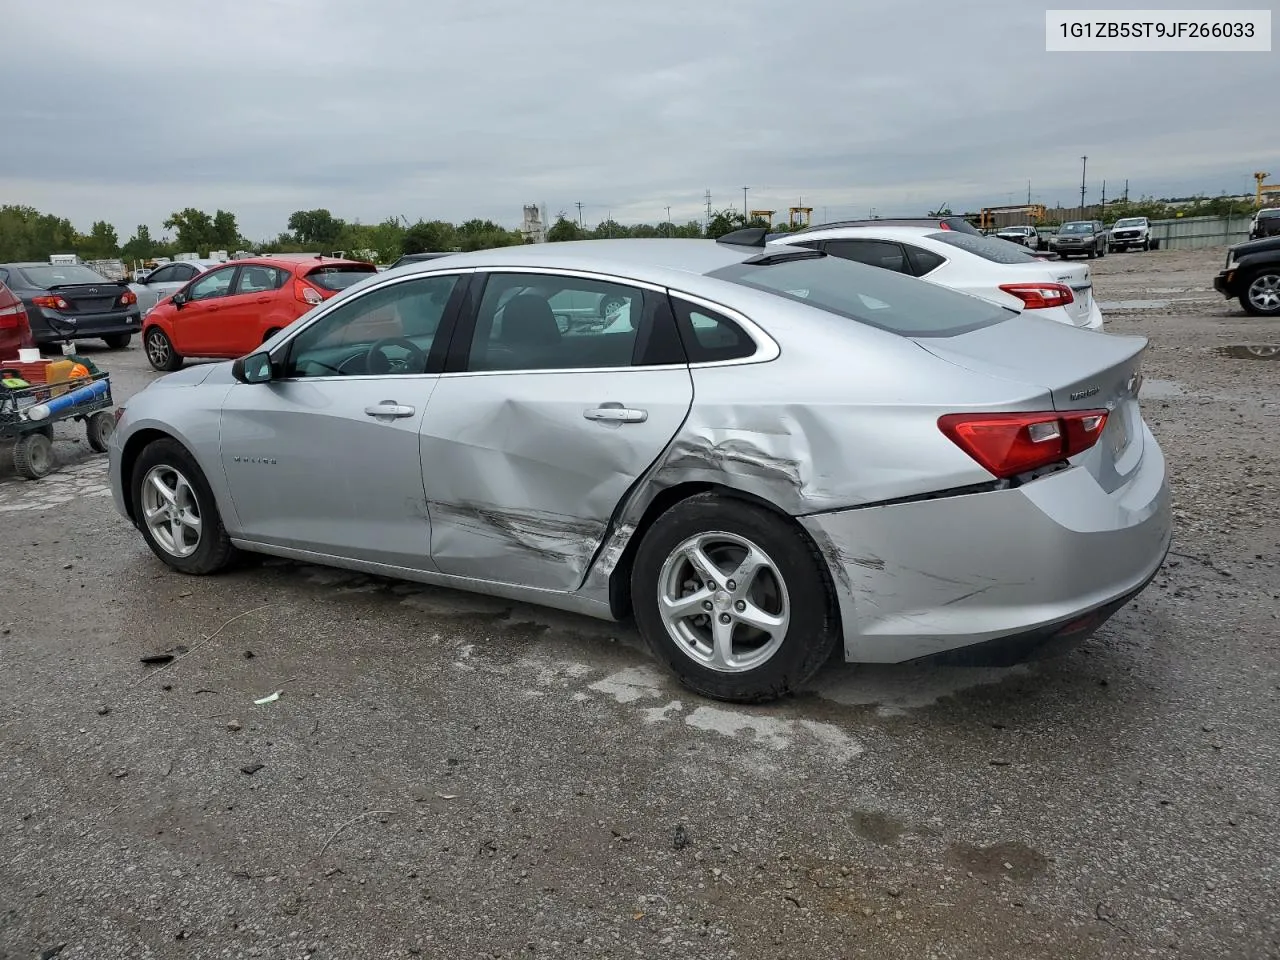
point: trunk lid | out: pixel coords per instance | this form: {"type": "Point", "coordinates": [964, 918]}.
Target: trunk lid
{"type": "Point", "coordinates": [90, 298]}
{"type": "Point", "coordinates": [1079, 370]}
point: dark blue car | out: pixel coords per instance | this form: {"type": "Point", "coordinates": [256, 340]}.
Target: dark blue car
{"type": "Point", "coordinates": [70, 301]}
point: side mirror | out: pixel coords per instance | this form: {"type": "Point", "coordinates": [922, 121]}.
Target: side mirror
{"type": "Point", "coordinates": [178, 299]}
{"type": "Point", "coordinates": [255, 368]}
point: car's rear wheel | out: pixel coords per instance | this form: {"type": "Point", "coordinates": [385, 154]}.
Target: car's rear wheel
{"type": "Point", "coordinates": [734, 599]}
{"type": "Point", "coordinates": [160, 352]}
{"type": "Point", "coordinates": [118, 341]}
{"type": "Point", "coordinates": [175, 509]}
{"type": "Point", "coordinates": [1262, 295]}
{"type": "Point", "coordinates": [270, 333]}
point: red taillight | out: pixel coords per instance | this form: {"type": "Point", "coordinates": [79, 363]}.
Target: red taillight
{"type": "Point", "coordinates": [51, 303]}
{"type": "Point", "coordinates": [306, 293]}
{"type": "Point", "coordinates": [1007, 444]}
{"type": "Point", "coordinates": [1037, 296]}
{"type": "Point", "coordinates": [128, 298]}
{"type": "Point", "coordinates": [13, 318]}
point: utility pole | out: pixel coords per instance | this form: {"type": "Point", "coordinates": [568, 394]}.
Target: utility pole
{"type": "Point", "coordinates": [668, 221]}
{"type": "Point", "coordinates": [744, 203]}
{"type": "Point", "coordinates": [1028, 193]}
{"type": "Point", "coordinates": [1104, 198]}
{"type": "Point", "coordinates": [707, 225]}
{"type": "Point", "coordinates": [1126, 189]}
{"type": "Point", "coordinates": [580, 224]}
{"type": "Point", "coordinates": [1084, 165]}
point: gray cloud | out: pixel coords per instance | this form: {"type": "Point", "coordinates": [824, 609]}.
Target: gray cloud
{"type": "Point", "coordinates": [460, 109]}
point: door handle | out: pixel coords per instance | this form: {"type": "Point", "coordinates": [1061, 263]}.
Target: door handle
{"type": "Point", "coordinates": [616, 413]}
{"type": "Point", "coordinates": [264, 299]}
{"type": "Point", "coordinates": [390, 409]}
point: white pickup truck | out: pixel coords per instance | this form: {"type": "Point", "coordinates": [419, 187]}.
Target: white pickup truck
{"type": "Point", "coordinates": [1132, 233]}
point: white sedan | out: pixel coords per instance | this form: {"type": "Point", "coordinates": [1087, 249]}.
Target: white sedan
{"type": "Point", "coordinates": [995, 270]}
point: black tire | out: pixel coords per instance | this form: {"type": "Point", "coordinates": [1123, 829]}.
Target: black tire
{"type": "Point", "coordinates": [813, 627]}
{"type": "Point", "coordinates": [213, 550]}
{"type": "Point", "coordinates": [272, 332]}
{"type": "Point", "coordinates": [33, 456]}
{"type": "Point", "coordinates": [118, 341]}
{"type": "Point", "coordinates": [1102, 250]}
{"type": "Point", "coordinates": [99, 428]}
{"type": "Point", "coordinates": [1155, 244]}
{"type": "Point", "coordinates": [160, 352]}
{"type": "Point", "coordinates": [1092, 254]}
{"type": "Point", "coordinates": [1269, 277]}
{"type": "Point", "coordinates": [1146, 245]}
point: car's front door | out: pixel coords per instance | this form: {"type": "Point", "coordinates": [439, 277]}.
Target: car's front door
{"type": "Point", "coordinates": [535, 433]}
{"type": "Point", "coordinates": [196, 324]}
{"type": "Point", "coordinates": [245, 309]}
{"type": "Point", "coordinates": [325, 456]}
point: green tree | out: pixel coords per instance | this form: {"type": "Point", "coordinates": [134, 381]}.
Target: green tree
{"type": "Point", "coordinates": [429, 236]}
{"type": "Point", "coordinates": [224, 233]}
{"type": "Point", "coordinates": [194, 229]}
{"type": "Point", "coordinates": [564, 230]}
{"type": "Point", "coordinates": [100, 243]}
{"type": "Point", "coordinates": [28, 234]}
{"type": "Point", "coordinates": [317, 227]}
{"type": "Point", "coordinates": [140, 246]}
{"type": "Point", "coordinates": [725, 221]}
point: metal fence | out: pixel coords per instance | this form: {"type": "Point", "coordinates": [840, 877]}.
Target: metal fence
{"type": "Point", "coordinates": [1192, 233]}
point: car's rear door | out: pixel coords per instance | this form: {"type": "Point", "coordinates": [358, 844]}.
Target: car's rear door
{"type": "Point", "coordinates": [246, 308]}
{"type": "Point", "coordinates": [535, 434]}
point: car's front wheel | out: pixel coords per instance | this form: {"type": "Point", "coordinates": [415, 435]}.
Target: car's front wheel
{"type": "Point", "coordinates": [1261, 296]}
{"type": "Point", "coordinates": [175, 509]}
{"type": "Point", "coordinates": [735, 599]}
{"type": "Point", "coordinates": [160, 352]}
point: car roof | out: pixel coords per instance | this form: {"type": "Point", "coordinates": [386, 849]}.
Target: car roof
{"type": "Point", "coordinates": [640, 259]}
{"type": "Point", "coordinates": [296, 262]}
{"type": "Point", "coordinates": [889, 232]}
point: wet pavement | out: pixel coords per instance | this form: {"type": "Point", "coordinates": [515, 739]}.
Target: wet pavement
{"type": "Point", "coordinates": [444, 775]}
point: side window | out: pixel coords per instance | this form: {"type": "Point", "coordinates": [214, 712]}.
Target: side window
{"type": "Point", "coordinates": [545, 322]}
{"type": "Point", "coordinates": [923, 261]}
{"type": "Point", "coordinates": [4, 275]}
{"type": "Point", "coordinates": [182, 272]}
{"type": "Point", "coordinates": [257, 279]}
{"type": "Point", "coordinates": [161, 275]}
{"type": "Point", "coordinates": [385, 331]}
{"type": "Point", "coordinates": [874, 253]}
{"type": "Point", "coordinates": [708, 336]}
{"type": "Point", "coordinates": [213, 284]}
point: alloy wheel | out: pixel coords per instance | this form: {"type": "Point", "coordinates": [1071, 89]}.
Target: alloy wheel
{"type": "Point", "coordinates": [724, 602]}
{"type": "Point", "coordinates": [171, 511]}
{"type": "Point", "coordinates": [158, 348]}
{"type": "Point", "coordinates": [1264, 292]}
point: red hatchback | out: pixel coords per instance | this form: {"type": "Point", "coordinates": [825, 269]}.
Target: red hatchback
{"type": "Point", "coordinates": [15, 331]}
{"type": "Point", "coordinates": [230, 310]}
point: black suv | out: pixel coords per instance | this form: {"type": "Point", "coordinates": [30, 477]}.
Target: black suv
{"type": "Point", "coordinates": [1252, 274]}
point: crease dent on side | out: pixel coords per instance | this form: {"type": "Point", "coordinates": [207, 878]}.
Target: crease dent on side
{"type": "Point", "coordinates": [553, 536]}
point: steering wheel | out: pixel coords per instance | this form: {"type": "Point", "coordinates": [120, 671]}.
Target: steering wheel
{"type": "Point", "coordinates": [376, 362]}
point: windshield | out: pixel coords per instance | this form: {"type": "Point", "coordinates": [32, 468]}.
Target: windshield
{"type": "Point", "coordinates": [61, 274]}
{"type": "Point", "coordinates": [997, 251]}
{"type": "Point", "coordinates": [1076, 228]}
{"type": "Point", "coordinates": [1131, 222]}
{"type": "Point", "coordinates": [1268, 214]}
{"type": "Point", "coordinates": [879, 298]}
{"type": "Point", "coordinates": [340, 276]}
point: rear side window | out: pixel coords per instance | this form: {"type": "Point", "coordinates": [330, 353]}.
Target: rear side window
{"type": "Point", "coordinates": [339, 276]}
{"type": "Point", "coordinates": [997, 251]}
{"type": "Point", "coordinates": [257, 279]}
{"type": "Point", "coordinates": [708, 336]}
{"type": "Point", "coordinates": [878, 298]}
{"type": "Point", "coordinates": [874, 253]}
{"type": "Point", "coordinates": [923, 261]}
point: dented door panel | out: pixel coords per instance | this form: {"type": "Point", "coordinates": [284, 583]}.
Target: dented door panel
{"type": "Point", "coordinates": [521, 485]}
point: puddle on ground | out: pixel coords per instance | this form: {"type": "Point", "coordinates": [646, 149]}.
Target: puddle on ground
{"type": "Point", "coordinates": [1250, 351]}
{"type": "Point", "coordinates": [1161, 389]}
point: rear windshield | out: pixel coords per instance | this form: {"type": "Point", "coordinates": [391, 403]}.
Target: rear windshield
{"type": "Point", "coordinates": [997, 251]}
{"type": "Point", "coordinates": [52, 276]}
{"type": "Point", "coordinates": [340, 276]}
{"type": "Point", "coordinates": [879, 298]}
{"type": "Point", "coordinates": [961, 225]}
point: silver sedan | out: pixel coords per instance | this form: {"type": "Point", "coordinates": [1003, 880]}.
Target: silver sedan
{"type": "Point", "coordinates": [764, 455]}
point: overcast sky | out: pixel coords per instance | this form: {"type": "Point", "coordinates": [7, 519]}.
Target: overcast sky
{"type": "Point", "coordinates": [455, 109]}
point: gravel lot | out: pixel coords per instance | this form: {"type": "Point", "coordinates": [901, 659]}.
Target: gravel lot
{"type": "Point", "coordinates": [450, 776]}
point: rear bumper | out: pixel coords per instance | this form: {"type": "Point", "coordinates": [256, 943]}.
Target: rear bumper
{"type": "Point", "coordinates": [1013, 569]}
{"type": "Point", "coordinates": [51, 328]}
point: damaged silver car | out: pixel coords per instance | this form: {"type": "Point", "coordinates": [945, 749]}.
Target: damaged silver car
{"type": "Point", "coordinates": [760, 455]}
